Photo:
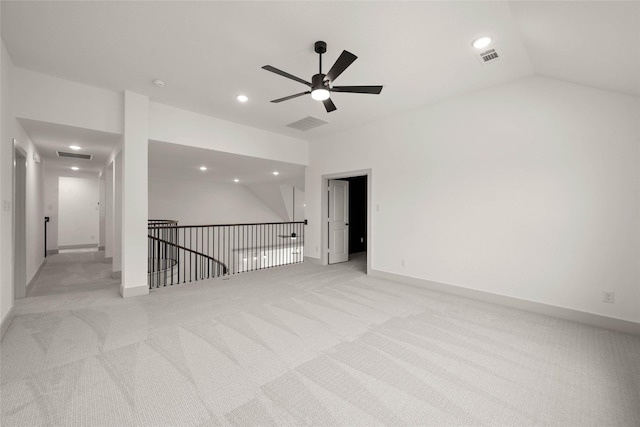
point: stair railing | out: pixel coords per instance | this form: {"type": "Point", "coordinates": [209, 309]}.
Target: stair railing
{"type": "Point", "coordinates": [187, 253]}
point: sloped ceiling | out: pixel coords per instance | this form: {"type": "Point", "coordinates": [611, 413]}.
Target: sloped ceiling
{"type": "Point", "coordinates": [591, 43]}
{"type": "Point", "coordinates": [208, 52]}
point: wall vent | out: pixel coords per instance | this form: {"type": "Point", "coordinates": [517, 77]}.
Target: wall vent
{"type": "Point", "coordinates": [488, 56]}
{"type": "Point", "coordinates": [74, 155]}
{"type": "Point", "coordinates": [307, 123]}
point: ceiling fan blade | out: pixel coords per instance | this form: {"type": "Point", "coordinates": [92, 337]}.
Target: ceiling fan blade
{"type": "Point", "coordinates": [344, 60]}
{"type": "Point", "coordinates": [291, 96]}
{"type": "Point", "coordinates": [285, 74]}
{"type": "Point", "coordinates": [329, 105]}
{"type": "Point", "coordinates": [375, 90]}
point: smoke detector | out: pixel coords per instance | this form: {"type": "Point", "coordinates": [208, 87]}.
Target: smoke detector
{"type": "Point", "coordinates": [159, 83]}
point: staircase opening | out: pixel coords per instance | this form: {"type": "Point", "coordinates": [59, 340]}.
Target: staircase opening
{"type": "Point", "coordinates": [187, 253]}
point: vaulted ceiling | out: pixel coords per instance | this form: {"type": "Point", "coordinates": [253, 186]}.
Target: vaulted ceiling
{"type": "Point", "coordinates": [208, 52]}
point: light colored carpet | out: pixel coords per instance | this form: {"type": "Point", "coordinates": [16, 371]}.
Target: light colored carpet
{"type": "Point", "coordinates": [74, 271]}
{"type": "Point", "coordinates": [308, 345]}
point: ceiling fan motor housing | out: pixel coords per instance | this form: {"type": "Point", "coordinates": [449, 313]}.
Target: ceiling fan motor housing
{"type": "Point", "coordinates": [318, 81]}
{"type": "Point", "coordinates": [320, 47]}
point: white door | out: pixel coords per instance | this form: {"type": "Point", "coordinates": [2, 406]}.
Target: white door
{"type": "Point", "coordinates": [338, 221]}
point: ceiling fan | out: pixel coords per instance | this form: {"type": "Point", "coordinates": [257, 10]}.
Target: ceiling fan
{"type": "Point", "coordinates": [322, 84]}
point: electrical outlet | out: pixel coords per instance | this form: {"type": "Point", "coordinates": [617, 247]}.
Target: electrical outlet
{"type": "Point", "coordinates": [608, 297]}
{"type": "Point", "coordinates": [403, 262]}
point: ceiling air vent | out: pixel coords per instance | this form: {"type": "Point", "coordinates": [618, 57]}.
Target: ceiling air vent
{"type": "Point", "coordinates": [488, 56]}
{"type": "Point", "coordinates": [74, 155]}
{"type": "Point", "coordinates": [307, 123]}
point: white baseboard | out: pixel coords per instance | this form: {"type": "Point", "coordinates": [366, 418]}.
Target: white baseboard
{"type": "Point", "coordinates": [53, 252]}
{"type": "Point", "coordinates": [134, 291]}
{"type": "Point", "coordinates": [316, 261]}
{"type": "Point", "coordinates": [84, 246]}
{"type": "Point", "coordinates": [6, 322]}
{"type": "Point", "coordinates": [35, 276]}
{"type": "Point", "coordinates": [532, 306]}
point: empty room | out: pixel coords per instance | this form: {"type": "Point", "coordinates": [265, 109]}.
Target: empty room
{"type": "Point", "coordinates": [286, 213]}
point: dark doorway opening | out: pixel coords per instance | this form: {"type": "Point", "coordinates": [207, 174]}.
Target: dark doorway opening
{"type": "Point", "coordinates": [357, 214]}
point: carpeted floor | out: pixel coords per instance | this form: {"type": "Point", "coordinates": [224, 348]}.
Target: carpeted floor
{"type": "Point", "coordinates": [69, 271]}
{"type": "Point", "coordinates": [304, 345]}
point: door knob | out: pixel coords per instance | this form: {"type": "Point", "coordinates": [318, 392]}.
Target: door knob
{"type": "Point", "coordinates": [346, 223]}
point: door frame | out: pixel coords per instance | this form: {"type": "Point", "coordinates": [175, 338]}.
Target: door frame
{"type": "Point", "coordinates": [19, 220]}
{"type": "Point", "coordinates": [324, 229]}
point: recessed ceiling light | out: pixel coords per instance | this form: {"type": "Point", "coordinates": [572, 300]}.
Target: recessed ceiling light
{"type": "Point", "coordinates": [75, 168]}
{"type": "Point", "coordinates": [236, 180]}
{"type": "Point", "coordinates": [482, 42]}
{"type": "Point", "coordinates": [159, 83]}
{"type": "Point", "coordinates": [276, 173]}
{"type": "Point", "coordinates": [75, 147]}
{"type": "Point", "coordinates": [242, 98]}
{"type": "Point", "coordinates": [203, 168]}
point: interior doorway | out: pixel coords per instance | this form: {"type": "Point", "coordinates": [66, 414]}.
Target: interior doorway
{"type": "Point", "coordinates": [346, 230]}
{"type": "Point", "coordinates": [20, 223]}
{"type": "Point", "coordinates": [357, 214]}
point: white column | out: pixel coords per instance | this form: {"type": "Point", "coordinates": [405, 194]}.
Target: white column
{"type": "Point", "coordinates": [108, 213]}
{"type": "Point", "coordinates": [116, 266]}
{"type": "Point", "coordinates": [134, 195]}
{"type": "Point", "coordinates": [102, 185]}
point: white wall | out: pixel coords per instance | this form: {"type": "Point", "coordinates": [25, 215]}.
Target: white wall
{"type": "Point", "coordinates": [34, 192]}
{"type": "Point", "coordinates": [170, 124]}
{"type": "Point", "coordinates": [116, 265]}
{"type": "Point", "coordinates": [34, 204]}
{"type": "Point", "coordinates": [6, 189]}
{"type": "Point", "coordinates": [34, 221]}
{"type": "Point", "coordinates": [78, 211]}
{"type": "Point", "coordinates": [51, 197]}
{"type": "Point", "coordinates": [293, 211]}
{"type": "Point", "coordinates": [528, 189]}
{"type": "Point", "coordinates": [54, 100]}
{"type": "Point", "coordinates": [135, 195]}
{"type": "Point", "coordinates": [109, 214]}
{"type": "Point", "coordinates": [201, 202]}
{"type": "Point", "coordinates": [102, 212]}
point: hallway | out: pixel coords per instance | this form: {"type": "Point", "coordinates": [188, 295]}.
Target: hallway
{"type": "Point", "coordinates": [74, 271]}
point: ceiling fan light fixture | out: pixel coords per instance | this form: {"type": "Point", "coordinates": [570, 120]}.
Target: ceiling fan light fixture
{"type": "Point", "coordinates": [320, 94]}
